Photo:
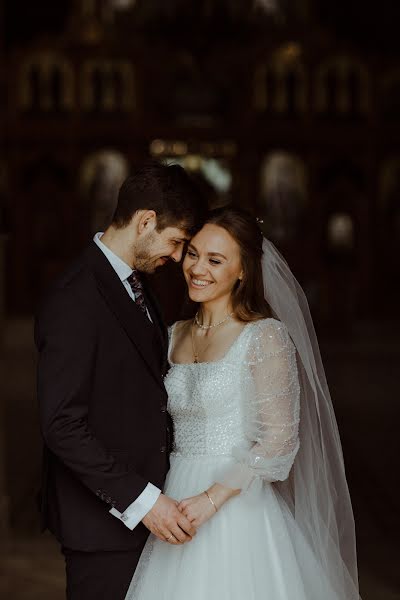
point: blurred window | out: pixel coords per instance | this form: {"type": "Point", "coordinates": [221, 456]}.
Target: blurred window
{"type": "Point", "coordinates": [342, 88]}
{"type": "Point", "coordinates": [340, 232]}
{"type": "Point", "coordinates": [283, 195]}
{"type": "Point", "coordinates": [46, 84]}
{"type": "Point", "coordinates": [108, 86]}
{"type": "Point", "coordinates": [213, 173]}
{"type": "Point", "coordinates": [280, 84]}
{"type": "Point", "coordinates": [122, 4]}
{"type": "Point", "coordinates": [102, 174]}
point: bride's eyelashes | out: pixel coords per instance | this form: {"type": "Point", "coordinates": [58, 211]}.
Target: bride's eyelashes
{"type": "Point", "coordinates": [213, 261]}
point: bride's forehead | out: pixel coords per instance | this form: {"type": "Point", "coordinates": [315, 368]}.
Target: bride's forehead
{"type": "Point", "coordinates": [213, 236]}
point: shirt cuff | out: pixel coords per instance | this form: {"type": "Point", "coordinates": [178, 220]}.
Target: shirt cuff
{"type": "Point", "coordinates": [139, 508]}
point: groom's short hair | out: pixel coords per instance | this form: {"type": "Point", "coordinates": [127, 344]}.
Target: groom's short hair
{"type": "Point", "coordinates": [165, 188]}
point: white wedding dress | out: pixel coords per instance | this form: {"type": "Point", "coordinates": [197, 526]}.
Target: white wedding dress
{"type": "Point", "coordinates": [236, 422]}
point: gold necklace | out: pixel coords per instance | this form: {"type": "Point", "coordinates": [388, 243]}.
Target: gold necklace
{"type": "Point", "coordinates": [196, 355]}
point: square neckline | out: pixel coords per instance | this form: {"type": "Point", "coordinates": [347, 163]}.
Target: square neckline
{"type": "Point", "coordinates": [206, 362]}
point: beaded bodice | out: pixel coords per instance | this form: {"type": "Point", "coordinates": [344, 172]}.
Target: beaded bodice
{"type": "Point", "coordinates": [205, 402]}
{"type": "Point", "coordinates": [246, 405]}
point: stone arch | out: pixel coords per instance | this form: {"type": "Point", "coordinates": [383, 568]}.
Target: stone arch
{"type": "Point", "coordinates": [46, 83]}
{"type": "Point", "coordinates": [108, 86]}
{"type": "Point", "coordinates": [281, 84]}
{"type": "Point", "coordinates": [342, 87]}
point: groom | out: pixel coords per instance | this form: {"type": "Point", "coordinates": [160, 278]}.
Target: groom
{"type": "Point", "coordinates": [103, 406]}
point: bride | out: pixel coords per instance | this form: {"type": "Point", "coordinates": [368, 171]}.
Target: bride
{"type": "Point", "coordinates": [257, 464]}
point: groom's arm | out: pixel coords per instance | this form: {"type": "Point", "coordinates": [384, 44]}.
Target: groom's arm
{"type": "Point", "coordinates": [136, 511]}
{"type": "Point", "coordinates": [66, 338]}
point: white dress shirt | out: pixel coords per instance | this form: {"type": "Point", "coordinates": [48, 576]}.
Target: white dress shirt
{"type": "Point", "coordinates": [145, 502]}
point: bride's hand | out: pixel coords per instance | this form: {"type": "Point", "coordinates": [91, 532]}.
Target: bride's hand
{"type": "Point", "coordinates": [197, 509]}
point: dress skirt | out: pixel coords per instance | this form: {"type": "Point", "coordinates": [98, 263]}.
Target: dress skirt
{"type": "Point", "coordinates": [250, 549]}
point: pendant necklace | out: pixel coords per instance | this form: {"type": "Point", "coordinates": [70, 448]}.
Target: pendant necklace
{"type": "Point", "coordinates": [196, 354]}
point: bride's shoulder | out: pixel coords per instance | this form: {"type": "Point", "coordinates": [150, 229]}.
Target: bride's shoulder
{"type": "Point", "coordinates": [181, 324]}
{"type": "Point", "coordinates": [179, 327]}
{"type": "Point", "coordinates": [268, 324]}
{"type": "Point", "coordinates": [269, 334]}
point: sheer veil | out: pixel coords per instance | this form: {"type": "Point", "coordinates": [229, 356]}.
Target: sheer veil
{"type": "Point", "coordinates": [316, 492]}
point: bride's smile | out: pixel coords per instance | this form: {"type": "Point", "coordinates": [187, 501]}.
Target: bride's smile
{"type": "Point", "coordinates": [212, 266]}
{"type": "Point", "coordinates": [196, 283]}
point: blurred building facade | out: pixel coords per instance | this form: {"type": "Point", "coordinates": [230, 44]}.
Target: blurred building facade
{"type": "Point", "coordinates": [256, 96]}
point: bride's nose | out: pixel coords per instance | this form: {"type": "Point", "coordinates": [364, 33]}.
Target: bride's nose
{"type": "Point", "coordinates": [198, 268]}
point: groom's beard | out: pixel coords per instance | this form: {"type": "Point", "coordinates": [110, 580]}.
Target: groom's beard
{"type": "Point", "coordinates": [146, 261]}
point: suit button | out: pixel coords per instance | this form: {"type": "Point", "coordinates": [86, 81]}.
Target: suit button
{"type": "Point", "coordinates": [163, 449]}
{"type": "Point", "coordinates": [108, 500]}
{"type": "Point", "coordinates": [163, 409]}
{"type": "Point", "coordinates": [98, 492]}
{"type": "Point", "coordinates": [124, 517]}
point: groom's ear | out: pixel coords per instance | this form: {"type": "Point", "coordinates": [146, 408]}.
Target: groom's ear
{"type": "Point", "coordinates": [147, 221]}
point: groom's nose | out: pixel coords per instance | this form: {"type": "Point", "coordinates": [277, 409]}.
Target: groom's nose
{"type": "Point", "coordinates": [177, 254]}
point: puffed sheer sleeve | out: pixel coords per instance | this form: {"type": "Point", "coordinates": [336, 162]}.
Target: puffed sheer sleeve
{"type": "Point", "coordinates": [271, 404]}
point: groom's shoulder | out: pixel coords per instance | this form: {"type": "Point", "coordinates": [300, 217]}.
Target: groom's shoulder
{"type": "Point", "coordinates": [75, 285]}
{"type": "Point", "coordinates": [77, 275]}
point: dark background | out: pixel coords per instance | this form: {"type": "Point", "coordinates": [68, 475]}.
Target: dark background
{"type": "Point", "coordinates": [290, 108]}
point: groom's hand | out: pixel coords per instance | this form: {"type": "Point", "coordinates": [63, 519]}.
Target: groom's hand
{"type": "Point", "coordinates": [167, 523]}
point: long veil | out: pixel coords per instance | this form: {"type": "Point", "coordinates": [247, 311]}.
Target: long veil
{"type": "Point", "coordinates": [316, 492]}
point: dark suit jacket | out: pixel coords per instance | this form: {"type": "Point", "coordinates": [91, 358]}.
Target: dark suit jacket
{"type": "Point", "coordinates": [102, 404]}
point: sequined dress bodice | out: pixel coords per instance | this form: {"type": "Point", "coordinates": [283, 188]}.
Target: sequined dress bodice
{"type": "Point", "coordinates": [205, 402]}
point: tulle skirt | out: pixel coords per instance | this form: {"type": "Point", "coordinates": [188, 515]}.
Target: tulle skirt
{"type": "Point", "coordinates": [249, 550]}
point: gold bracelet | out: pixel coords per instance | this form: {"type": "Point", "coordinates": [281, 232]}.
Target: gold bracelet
{"type": "Point", "coordinates": [211, 500]}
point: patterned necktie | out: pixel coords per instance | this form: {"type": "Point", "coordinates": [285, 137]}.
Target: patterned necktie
{"type": "Point", "coordinates": [137, 288]}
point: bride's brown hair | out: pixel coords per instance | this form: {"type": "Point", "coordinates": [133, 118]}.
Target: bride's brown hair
{"type": "Point", "coordinates": [248, 300]}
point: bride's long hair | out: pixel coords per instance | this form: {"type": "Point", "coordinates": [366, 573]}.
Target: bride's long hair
{"type": "Point", "coordinates": [248, 300]}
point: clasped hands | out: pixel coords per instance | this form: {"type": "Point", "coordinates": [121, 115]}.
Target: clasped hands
{"type": "Point", "coordinates": [177, 522]}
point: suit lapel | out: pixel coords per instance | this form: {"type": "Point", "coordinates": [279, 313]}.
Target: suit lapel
{"type": "Point", "coordinates": [137, 326]}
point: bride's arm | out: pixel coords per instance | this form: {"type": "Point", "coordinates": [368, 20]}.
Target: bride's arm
{"type": "Point", "coordinates": [272, 403]}
{"type": "Point", "coordinates": [272, 406]}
